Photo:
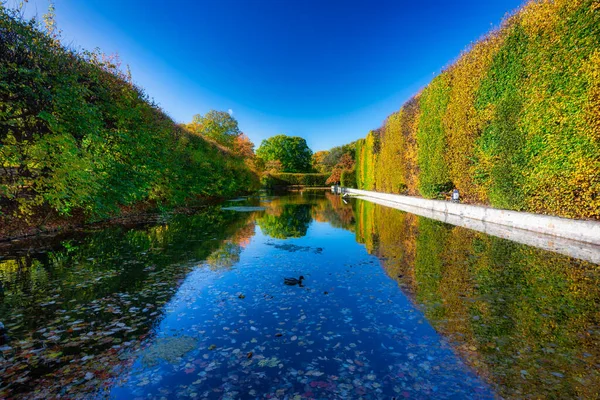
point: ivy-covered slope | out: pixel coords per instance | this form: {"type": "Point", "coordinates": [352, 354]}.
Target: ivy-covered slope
{"type": "Point", "coordinates": [513, 123]}
{"type": "Point", "coordinates": [77, 136]}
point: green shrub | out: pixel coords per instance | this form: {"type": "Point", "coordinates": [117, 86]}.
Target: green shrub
{"type": "Point", "coordinates": [500, 150]}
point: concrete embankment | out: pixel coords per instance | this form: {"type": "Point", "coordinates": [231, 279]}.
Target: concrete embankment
{"type": "Point", "coordinates": [575, 238]}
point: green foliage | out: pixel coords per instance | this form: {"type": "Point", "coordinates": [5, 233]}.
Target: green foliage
{"type": "Point", "coordinates": [398, 151]}
{"type": "Point", "coordinates": [348, 178]}
{"type": "Point", "coordinates": [292, 151]}
{"type": "Point", "coordinates": [366, 156]}
{"type": "Point", "coordinates": [290, 221]}
{"type": "Point", "coordinates": [272, 180]}
{"type": "Point", "coordinates": [77, 136]}
{"type": "Point", "coordinates": [500, 159]}
{"type": "Point", "coordinates": [431, 140]}
{"type": "Point", "coordinates": [360, 159]}
{"type": "Point", "coordinates": [463, 123]}
{"type": "Point", "coordinates": [219, 126]}
{"type": "Point", "coordinates": [390, 179]}
{"type": "Point", "coordinates": [514, 122]}
{"type": "Point", "coordinates": [561, 103]}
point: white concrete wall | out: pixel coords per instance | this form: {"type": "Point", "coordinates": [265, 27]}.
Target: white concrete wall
{"type": "Point", "coordinates": [572, 248]}
{"type": "Point", "coordinates": [583, 231]}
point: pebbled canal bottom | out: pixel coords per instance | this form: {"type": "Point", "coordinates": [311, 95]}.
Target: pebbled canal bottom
{"type": "Point", "coordinates": [236, 331]}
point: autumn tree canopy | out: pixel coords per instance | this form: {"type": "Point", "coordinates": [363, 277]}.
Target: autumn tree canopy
{"type": "Point", "coordinates": [243, 146]}
{"type": "Point", "coordinates": [345, 163]}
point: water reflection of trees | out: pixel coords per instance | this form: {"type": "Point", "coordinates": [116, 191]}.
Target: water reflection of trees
{"type": "Point", "coordinates": [229, 252]}
{"type": "Point", "coordinates": [287, 217]}
{"type": "Point", "coordinates": [73, 308]}
{"type": "Point", "coordinates": [290, 221]}
{"type": "Point", "coordinates": [334, 210]}
{"type": "Point", "coordinates": [525, 318]}
{"type": "Point", "coordinates": [290, 216]}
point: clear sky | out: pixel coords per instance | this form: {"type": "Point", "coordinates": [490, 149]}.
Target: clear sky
{"type": "Point", "coordinates": [326, 70]}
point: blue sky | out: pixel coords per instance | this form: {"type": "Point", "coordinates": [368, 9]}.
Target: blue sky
{"type": "Point", "coordinates": [326, 70]}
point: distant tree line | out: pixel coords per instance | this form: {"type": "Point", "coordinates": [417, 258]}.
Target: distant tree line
{"type": "Point", "coordinates": [288, 161]}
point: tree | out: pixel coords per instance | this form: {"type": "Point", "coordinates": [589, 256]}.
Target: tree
{"type": "Point", "coordinates": [325, 161]}
{"type": "Point", "coordinates": [219, 126]}
{"type": "Point", "coordinates": [273, 166]}
{"type": "Point", "coordinates": [243, 146]}
{"type": "Point", "coordinates": [292, 151]}
{"type": "Point", "coordinates": [318, 162]}
{"type": "Point", "coordinates": [345, 163]}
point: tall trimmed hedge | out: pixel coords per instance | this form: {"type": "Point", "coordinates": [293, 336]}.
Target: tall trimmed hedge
{"type": "Point", "coordinates": [513, 123]}
{"type": "Point", "coordinates": [366, 159]}
{"type": "Point", "coordinates": [431, 138]}
{"type": "Point", "coordinates": [76, 135]}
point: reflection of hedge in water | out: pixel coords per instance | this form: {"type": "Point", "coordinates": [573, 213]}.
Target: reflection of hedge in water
{"type": "Point", "coordinates": [513, 123]}
{"type": "Point", "coordinates": [225, 256]}
{"type": "Point", "coordinates": [507, 307]}
{"type": "Point", "coordinates": [109, 277]}
{"type": "Point", "coordinates": [364, 214]}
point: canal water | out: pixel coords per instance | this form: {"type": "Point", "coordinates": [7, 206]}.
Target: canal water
{"type": "Point", "coordinates": [392, 306]}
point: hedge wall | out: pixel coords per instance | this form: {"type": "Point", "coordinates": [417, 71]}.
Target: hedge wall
{"type": "Point", "coordinates": [513, 123]}
{"type": "Point", "coordinates": [271, 180]}
{"type": "Point", "coordinates": [366, 159]}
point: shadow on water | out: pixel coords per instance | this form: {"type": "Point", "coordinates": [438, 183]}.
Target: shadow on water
{"type": "Point", "coordinates": [393, 305]}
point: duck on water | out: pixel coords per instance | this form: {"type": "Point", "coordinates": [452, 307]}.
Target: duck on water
{"type": "Point", "coordinates": [294, 281]}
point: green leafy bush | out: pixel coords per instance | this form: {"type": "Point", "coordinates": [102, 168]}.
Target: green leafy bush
{"type": "Point", "coordinates": [77, 135]}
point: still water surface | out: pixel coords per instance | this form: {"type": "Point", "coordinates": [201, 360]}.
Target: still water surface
{"type": "Point", "coordinates": [393, 306]}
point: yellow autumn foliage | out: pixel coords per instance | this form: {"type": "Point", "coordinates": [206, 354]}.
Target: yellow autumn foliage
{"type": "Point", "coordinates": [513, 123]}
